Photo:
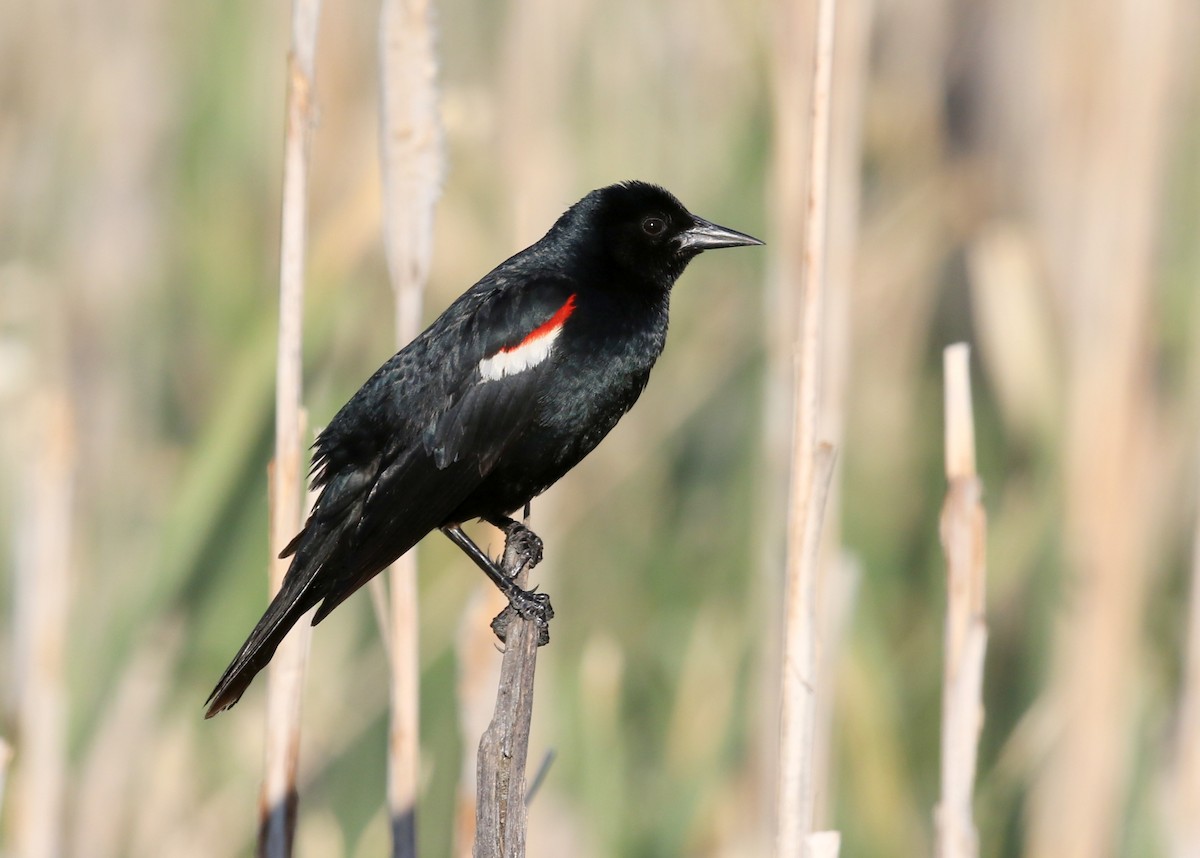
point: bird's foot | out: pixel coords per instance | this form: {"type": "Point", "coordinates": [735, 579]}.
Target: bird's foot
{"type": "Point", "coordinates": [531, 606]}
{"type": "Point", "coordinates": [522, 548]}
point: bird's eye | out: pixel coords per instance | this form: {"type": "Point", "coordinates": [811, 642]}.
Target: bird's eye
{"type": "Point", "coordinates": [654, 226]}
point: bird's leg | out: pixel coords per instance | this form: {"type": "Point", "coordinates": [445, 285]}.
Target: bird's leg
{"type": "Point", "coordinates": [520, 539]}
{"type": "Point", "coordinates": [528, 604]}
{"type": "Point", "coordinates": [522, 551]}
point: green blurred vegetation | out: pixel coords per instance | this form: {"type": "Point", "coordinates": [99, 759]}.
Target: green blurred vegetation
{"type": "Point", "coordinates": [139, 175]}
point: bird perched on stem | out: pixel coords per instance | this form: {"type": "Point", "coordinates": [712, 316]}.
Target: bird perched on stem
{"type": "Point", "coordinates": [517, 381]}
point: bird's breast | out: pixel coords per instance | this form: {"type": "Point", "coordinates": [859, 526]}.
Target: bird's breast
{"type": "Point", "coordinates": [600, 368]}
{"type": "Point", "coordinates": [594, 373]}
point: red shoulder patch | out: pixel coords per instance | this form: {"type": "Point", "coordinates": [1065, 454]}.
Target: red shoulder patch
{"type": "Point", "coordinates": [550, 325]}
{"type": "Point", "coordinates": [530, 351]}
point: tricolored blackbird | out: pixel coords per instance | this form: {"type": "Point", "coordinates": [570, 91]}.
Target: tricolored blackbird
{"type": "Point", "coordinates": [505, 392]}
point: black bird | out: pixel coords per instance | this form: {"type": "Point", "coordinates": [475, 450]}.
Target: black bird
{"type": "Point", "coordinates": [505, 392]}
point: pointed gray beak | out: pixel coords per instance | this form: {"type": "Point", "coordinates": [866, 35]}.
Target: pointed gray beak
{"type": "Point", "coordinates": [709, 236]}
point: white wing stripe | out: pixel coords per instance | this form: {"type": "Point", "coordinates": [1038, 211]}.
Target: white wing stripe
{"type": "Point", "coordinates": [525, 356]}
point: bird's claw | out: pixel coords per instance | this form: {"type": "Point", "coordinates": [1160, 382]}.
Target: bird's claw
{"type": "Point", "coordinates": [534, 607]}
{"type": "Point", "coordinates": [523, 544]}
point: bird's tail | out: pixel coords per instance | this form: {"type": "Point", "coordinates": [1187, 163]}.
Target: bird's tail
{"type": "Point", "coordinates": [295, 597]}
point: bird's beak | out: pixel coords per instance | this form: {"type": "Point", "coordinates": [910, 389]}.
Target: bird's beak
{"type": "Point", "coordinates": [708, 236]}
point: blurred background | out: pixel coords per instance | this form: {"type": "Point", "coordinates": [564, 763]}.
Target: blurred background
{"type": "Point", "coordinates": [1021, 175]}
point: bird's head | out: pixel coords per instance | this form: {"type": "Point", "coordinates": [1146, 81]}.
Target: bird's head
{"type": "Point", "coordinates": [643, 232]}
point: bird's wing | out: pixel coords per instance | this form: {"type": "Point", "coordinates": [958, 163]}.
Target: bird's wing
{"type": "Point", "coordinates": [409, 447]}
{"type": "Point", "coordinates": [466, 389]}
{"type": "Point", "coordinates": [507, 376]}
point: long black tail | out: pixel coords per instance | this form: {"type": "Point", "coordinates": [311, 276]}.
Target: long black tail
{"type": "Point", "coordinates": [296, 596]}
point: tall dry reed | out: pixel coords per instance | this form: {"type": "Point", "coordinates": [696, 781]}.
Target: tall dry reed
{"type": "Point", "coordinates": [285, 679]}
{"type": "Point", "coordinates": [1105, 102]}
{"type": "Point", "coordinates": [411, 153]}
{"type": "Point", "coordinates": [811, 466]}
{"type": "Point", "coordinates": [43, 602]}
{"type": "Point", "coordinates": [963, 535]}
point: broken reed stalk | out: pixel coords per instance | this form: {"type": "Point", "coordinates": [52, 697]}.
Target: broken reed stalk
{"type": "Point", "coordinates": [824, 844]}
{"type": "Point", "coordinates": [811, 469]}
{"type": "Point", "coordinates": [277, 802]}
{"type": "Point", "coordinates": [500, 805]}
{"type": "Point", "coordinates": [411, 159]}
{"type": "Point", "coordinates": [964, 540]}
{"type": "Point", "coordinates": [478, 671]}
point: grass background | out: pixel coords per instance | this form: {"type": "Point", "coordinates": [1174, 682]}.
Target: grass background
{"type": "Point", "coordinates": [140, 161]}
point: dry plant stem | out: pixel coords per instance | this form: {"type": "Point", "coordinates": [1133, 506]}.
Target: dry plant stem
{"type": "Point", "coordinates": [285, 678]}
{"type": "Point", "coordinates": [539, 42]}
{"type": "Point", "coordinates": [838, 572]}
{"type": "Point", "coordinates": [811, 470]}
{"type": "Point", "coordinates": [963, 534]}
{"type": "Point", "coordinates": [500, 819]}
{"type": "Point", "coordinates": [41, 604]}
{"type": "Point", "coordinates": [411, 153]}
{"type": "Point", "coordinates": [1100, 244]}
{"type": "Point", "coordinates": [812, 282]}
{"type": "Point", "coordinates": [411, 167]}
{"type": "Point", "coordinates": [478, 676]}
{"type": "Point", "coordinates": [796, 799]}
{"type": "Point", "coordinates": [285, 689]}
{"type": "Point", "coordinates": [6, 755]}
{"type": "Point", "coordinates": [404, 741]}
{"type": "Point", "coordinates": [823, 844]}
